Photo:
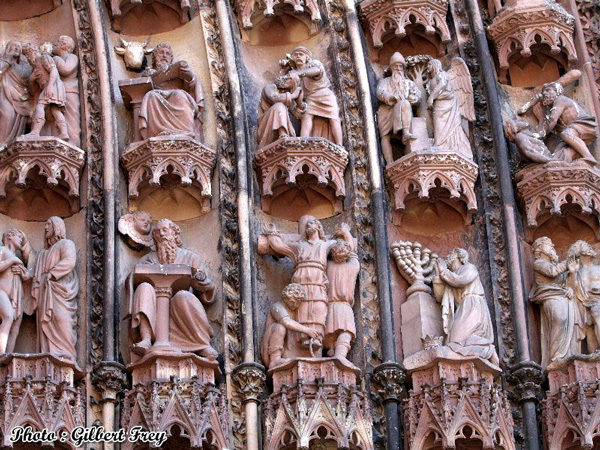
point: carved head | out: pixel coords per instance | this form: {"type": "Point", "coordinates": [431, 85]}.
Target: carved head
{"type": "Point", "coordinates": [341, 252]}
{"type": "Point", "coordinates": [55, 230]}
{"type": "Point", "coordinates": [550, 91]}
{"type": "Point", "coordinates": [166, 235]}
{"type": "Point", "coordinates": [66, 43]}
{"type": "Point", "coordinates": [300, 56]}
{"type": "Point", "coordinates": [47, 62]}
{"type": "Point", "coordinates": [162, 56]}
{"type": "Point", "coordinates": [293, 295]}
{"type": "Point", "coordinates": [434, 67]}
{"type": "Point", "coordinates": [285, 83]}
{"type": "Point", "coordinates": [31, 52]}
{"type": "Point", "coordinates": [15, 236]}
{"type": "Point", "coordinates": [457, 258]}
{"type": "Point", "coordinates": [308, 225]}
{"type": "Point", "coordinates": [13, 49]}
{"type": "Point", "coordinates": [142, 222]}
{"type": "Point", "coordinates": [133, 53]}
{"type": "Point", "coordinates": [581, 249]}
{"type": "Point", "coordinates": [397, 62]}
{"type": "Point", "coordinates": [544, 246]}
{"type": "Point", "coordinates": [47, 48]}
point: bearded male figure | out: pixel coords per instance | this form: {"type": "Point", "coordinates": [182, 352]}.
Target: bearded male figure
{"type": "Point", "coordinates": [54, 289]}
{"type": "Point", "coordinates": [174, 106]}
{"type": "Point", "coordinates": [396, 95]}
{"type": "Point", "coordinates": [561, 320]}
{"type": "Point", "coordinates": [189, 328]}
{"type": "Point", "coordinates": [14, 95]}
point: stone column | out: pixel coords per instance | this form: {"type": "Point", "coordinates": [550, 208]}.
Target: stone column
{"type": "Point", "coordinates": [525, 368]}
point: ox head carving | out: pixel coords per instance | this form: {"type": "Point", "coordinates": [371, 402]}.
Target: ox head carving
{"type": "Point", "coordinates": [134, 53]}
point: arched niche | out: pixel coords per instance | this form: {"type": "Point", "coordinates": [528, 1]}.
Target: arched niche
{"type": "Point", "coordinates": [11, 10]}
{"type": "Point", "coordinates": [284, 27]}
{"type": "Point", "coordinates": [137, 18]}
{"type": "Point", "coordinates": [541, 67]}
{"type": "Point", "coordinates": [416, 42]}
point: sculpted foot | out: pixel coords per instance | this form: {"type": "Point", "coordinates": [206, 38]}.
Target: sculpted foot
{"type": "Point", "coordinates": [209, 353]}
{"type": "Point", "coordinates": [280, 362]}
{"type": "Point", "coordinates": [141, 347]}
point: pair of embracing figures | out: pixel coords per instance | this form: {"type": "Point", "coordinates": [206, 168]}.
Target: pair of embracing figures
{"type": "Point", "coordinates": [569, 295]}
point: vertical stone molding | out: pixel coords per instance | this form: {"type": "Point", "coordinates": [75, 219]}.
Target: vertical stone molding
{"type": "Point", "coordinates": [589, 13]}
{"type": "Point", "coordinates": [40, 391]}
{"type": "Point", "coordinates": [522, 26]}
{"type": "Point", "coordinates": [456, 402]}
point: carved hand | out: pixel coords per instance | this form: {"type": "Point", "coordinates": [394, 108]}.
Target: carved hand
{"type": "Point", "coordinates": [270, 229]}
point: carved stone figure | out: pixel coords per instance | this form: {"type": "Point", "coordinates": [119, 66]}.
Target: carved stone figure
{"type": "Point", "coordinates": [561, 320]}
{"type": "Point", "coordinates": [281, 324]}
{"type": "Point", "coordinates": [134, 53]}
{"type": "Point", "coordinates": [14, 95]}
{"type": "Point", "coordinates": [309, 253]}
{"type": "Point", "coordinates": [465, 314]}
{"type": "Point", "coordinates": [67, 64]}
{"type": "Point", "coordinates": [529, 143]}
{"type": "Point", "coordinates": [276, 101]}
{"type": "Point", "coordinates": [175, 102]}
{"type": "Point", "coordinates": [559, 114]}
{"type": "Point", "coordinates": [13, 272]}
{"type": "Point", "coordinates": [54, 290]}
{"type": "Point", "coordinates": [584, 281]}
{"type": "Point", "coordinates": [51, 100]}
{"type": "Point", "coordinates": [397, 95]}
{"type": "Point", "coordinates": [188, 328]}
{"type": "Point", "coordinates": [320, 100]}
{"type": "Point", "coordinates": [138, 228]}
{"type": "Point", "coordinates": [342, 272]}
{"type": "Point", "coordinates": [450, 97]}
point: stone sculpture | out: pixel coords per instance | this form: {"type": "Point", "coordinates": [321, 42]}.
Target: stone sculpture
{"type": "Point", "coordinates": [277, 100]}
{"type": "Point", "coordinates": [54, 291]}
{"type": "Point", "coordinates": [450, 97]}
{"type": "Point", "coordinates": [67, 64]}
{"type": "Point", "coordinates": [51, 99]}
{"type": "Point", "coordinates": [342, 272]}
{"type": "Point", "coordinates": [529, 143]}
{"type": "Point", "coordinates": [465, 314]}
{"type": "Point", "coordinates": [309, 252]}
{"type": "Point", "coordinates": [397, 94]}
{"type": "Point", "coordinates": [184, 321]}
{"type": "Point", "coordinates": [137, 227]}
{"type": "Point", "coordinates": [134, 53]}
{"type": "Point", "coordinates": [321, 103]}
{"type": "Point", "coordinates": [13, 272]}
{"type": "Point", "coordinates": [565, 117]}
{"type": "Point", "coordinates": [560, 314]}
{"type": "Point", "coordinates": [173, 105]}
{"type": "Point", "coordinates": [282, 327]}
{"type": "Point", "coordinates": [14, 94]}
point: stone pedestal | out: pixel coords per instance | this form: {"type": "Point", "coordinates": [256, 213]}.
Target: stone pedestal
{"type": "Point", "coordinates": [455, 397]}
{"type": "Point", "coordinates": [382, 16]}
{"type": "Point", "coordinates": [317, 399]}
{"type": "Point", "coordinates": [413, 176]}
{"type": "Point", "coordinates": [149, 162]}
{"type": "Point", "coordinates": [158, 366]}
{"type": "Point", "coordinates": [519, 23]}
{"type": "Point", "coordinates": [39, 391]}
{"type": "Point", "coordinates": [546, 189]}
{"type": "Point", "coordinates": [177, 389]}
{"type": "Point", "coordinates": [421, 318]}
{"type": "Point", "coordinates": [572, 404]}
{"type": "Point", "coordinates": [59, 162]}
{"type": "Point", "coordinates": [281, 163]}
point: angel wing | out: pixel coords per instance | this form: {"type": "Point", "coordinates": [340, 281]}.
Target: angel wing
{"type": "Point", "coordinates": [460, 81]}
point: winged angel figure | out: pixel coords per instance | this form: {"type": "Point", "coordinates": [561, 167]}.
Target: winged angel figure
{"type": "Point", "coordinates": [450, 97]}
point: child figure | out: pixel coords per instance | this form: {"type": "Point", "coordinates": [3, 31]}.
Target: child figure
{"type": "Point", "coordinates": [52, 99]}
